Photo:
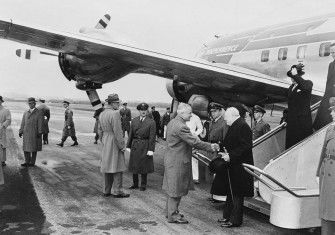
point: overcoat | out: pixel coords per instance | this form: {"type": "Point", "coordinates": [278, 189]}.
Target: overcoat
{"type": "Point", "coordinates": [142, 138]}
{"type": "Point", "coordinates": [238, 142]}
{"type": "Point", "coordinates": [125, 119]}
{"type": "Point", "coordinates": [5, 121]}
{"type": "Point", "coordinates": [177, 161]}
{"type": "Point", "coordinates": [111, 135]}
{"type": "Point", "coordinates": [259, 129]}
{"type": "Point", "coordinates": [323, 115]}
{"type": "Point", "coordinates": [157, 118]}
{"type": "Point", "coordinates": [326, 172]}
{"type": "Point", "coordinates": [299, 118]}
{"type": "Point", "coordinates": [216, 134]}
{"type": "Point", "coordinates": [31, 128]}
{"type": "Point", "coordinates": [45, 112]}
{"type": "Point", "coordinates": [68, 123]}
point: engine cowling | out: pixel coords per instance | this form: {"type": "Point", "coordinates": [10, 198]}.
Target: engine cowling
{"type": "Point", "coordinates": [199, 104]}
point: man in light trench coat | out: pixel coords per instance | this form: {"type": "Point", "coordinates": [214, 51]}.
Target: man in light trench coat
{"type": "Point", "coordinates": [31, 130]}
{"type": "Point", "coordinates": [112, 156]}
{"type": "Point", "coordinates": [177, 161]}
{"type": "Point", "coordinates": [5, 120]}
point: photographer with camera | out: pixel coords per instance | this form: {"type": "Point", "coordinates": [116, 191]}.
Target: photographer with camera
{"type": "Point", "coordinates": [299, 119]}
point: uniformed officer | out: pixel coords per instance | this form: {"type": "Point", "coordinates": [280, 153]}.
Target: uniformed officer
{"type": "Point", "coordinates": [141, 142]}
{"type": "Point", "coordinates": [68, 129]}
{"type": "Point", "coordinates": [326, 172]}
{"type": "Point", "coordinates": [260, 127]}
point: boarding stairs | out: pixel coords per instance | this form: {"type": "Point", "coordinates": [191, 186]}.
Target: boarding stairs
{"type": "Point", "coordinates": [285, 180]}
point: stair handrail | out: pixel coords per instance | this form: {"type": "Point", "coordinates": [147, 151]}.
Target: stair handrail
{"type": "Point", "coordinates": [250, 169]}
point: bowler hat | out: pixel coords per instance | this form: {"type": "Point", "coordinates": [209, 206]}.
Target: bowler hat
{"type": "Point", "coordinates": [1, 99]}
{"type": "Point", "coordinates": [215, 106]}
{"type": "Point", "coordinates": [332, 103]}
{"type": "Point", "coordinates": [113, 98]}
{"type": "Point", "coordinates": [142, 106]}
{"type": "Point", "coordinates": [259, 109]}
{"type": "Point", "coordinates": [66, 102]}
{"type": "Point", "coordinates": [31, 99]}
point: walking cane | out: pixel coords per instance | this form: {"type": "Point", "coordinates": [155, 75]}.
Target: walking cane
{"type": "Point", "coordinates": [229, 181]}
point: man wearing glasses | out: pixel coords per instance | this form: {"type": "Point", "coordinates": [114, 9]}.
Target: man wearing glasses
{"type": "Point", "coordinates": [323, 117]}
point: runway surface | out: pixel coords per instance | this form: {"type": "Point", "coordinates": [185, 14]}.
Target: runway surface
{"type": "Point", "coordinates": [62, 194]}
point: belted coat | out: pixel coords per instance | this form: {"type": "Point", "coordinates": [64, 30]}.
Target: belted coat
{"type": "Point", "coordinates": [142, 138]}
{"type": "Point", "coordinates": [177, 178]}
{"type": "Point", "coordinates": [5, 121]}
{"type": "Point", "coordinates": [45, 112]}
{"type": "Point", "coordinates": [326, 172]}
{"type": "Point", "coordinates": [111, 135]}
{"type": "Point", "coordinates": [68, 129]}
{"type": "Point", "coordinates": [31, 128]}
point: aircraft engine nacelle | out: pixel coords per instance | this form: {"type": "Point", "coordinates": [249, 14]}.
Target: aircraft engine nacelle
{"type": "Point", "coordinates": [66, 67]}
{"type": "Point", "coordinates": [199, 104]}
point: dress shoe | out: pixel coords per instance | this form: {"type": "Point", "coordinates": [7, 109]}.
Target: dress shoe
{"type": "Point", "coordinates": [142, 188]}
{"type": "Point", "coordinates": [25, 164]}
{"type": "Point", "coordinates": [3, 163]}
{"type": "Point", "coordinates": [60, 144]}
{"type": "Point", "coordinates": [228, 225]}
{"type": "Point", "coordinates": [95, 142]}
{"type": "Point", "coordinates": [121, 195]}
{"type": "Point", "coordinates": [179, 221]}
{"type": "Point", "coordinates": [223, 220]}
{"type": "Point", "coordinates": [75, 143]}
{"type": "Point", "coordinates": [107, 194]}
{"type": "Point", "coordinates": [133, 187]}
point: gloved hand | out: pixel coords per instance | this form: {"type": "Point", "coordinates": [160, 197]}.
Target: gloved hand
{"type": "Point", "coordinates": [20, 135]}
{"type": "Point", "coordinates": [150, 153]}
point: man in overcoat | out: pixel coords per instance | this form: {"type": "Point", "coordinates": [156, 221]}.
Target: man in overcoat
{"type": "Point", "coordinates": [5, 121]}
{"type": "Point", "coordinates": [177, 162]}
{"type": "Point", "coordinates": [157, 118]}
{"type": "Point", "coordinates": [216, 134]}
{"type": "Point", "coordinates": [112, 163]}
{"type": "Point", "coordinates": [323, 117]}
{"type": "Point", "coordinates": [326, 177]}
{"type": "Point", "coordinates": [299, 118]}
{"type": "Point", "coordinates": [68, 129]}
{"type": "Point", "coordinates": [31, 130]}
{"type": "Point", "coordinates": [141, 142]}
{"type": "Point", "coordinates": [125, 118]}
{"type": "Point", "coordinates": [45, 111]}
{"type": "Point", "coordinates": [260, 126]}
{"type": "Point", "coordinates": [238, 183]}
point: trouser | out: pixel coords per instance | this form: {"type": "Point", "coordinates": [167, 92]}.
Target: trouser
{"type": "Point", "coordinates": [143, 180]}
{"type": "Point", "coordinates": [172, 204]}
{"type": "Point", "coordinates": [112, 180]}
{"type": "Point", "coordinates": [45, 138]}
{"type": "Point", "coordinates": [30, 157]}
{"type": "Point", "coordinates": [195, 169]}
{"type": "Point", "coordinates": [96, 137]}
{"type": "Point", "coordinates": [233, 209]}
{"type": "Point", "coordinates": [3, 157]}
{"type": "Point", "coordinates": [327, 227]}
{"type": "Point", "coordinates": [73, 137]}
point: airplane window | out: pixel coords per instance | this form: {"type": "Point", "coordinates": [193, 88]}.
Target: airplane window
{"type": "Point", "coordinates": [282, 54]}
{"type": "Point", "coordinates": [301, 51]}
{"type": "Point", "coordinates": [324, 49]}
{"type": "Point", "coordinates": [265, 56]}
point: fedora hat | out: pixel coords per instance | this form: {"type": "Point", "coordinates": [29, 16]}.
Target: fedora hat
{"type": "Point", "coordinates": [113, 98]}
{"type": "Point", "coordinates": [31, 99]}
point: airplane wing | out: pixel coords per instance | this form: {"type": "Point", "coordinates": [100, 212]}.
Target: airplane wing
{"type": "Point", "coordinates": [224, 77]}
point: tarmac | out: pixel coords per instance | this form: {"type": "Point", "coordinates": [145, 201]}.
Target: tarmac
{"type": "Point", "coordinates": [62, 193]}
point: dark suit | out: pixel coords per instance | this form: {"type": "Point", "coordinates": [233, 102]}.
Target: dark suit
{"type": "Point", "coordinates": [157, 118]}
{"type": "Point", "coordinates": [299, 118]}
{"type": "Point", "coordinates": [125, 119]}
{"type": "Point", "coordinates": [141, 139]}
{"type": "Point", "coordinates": [323, 115]}
{"type": "Point", "coordinates": [238, 183]}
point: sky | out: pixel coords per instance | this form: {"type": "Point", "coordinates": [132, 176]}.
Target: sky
{"type": "Point", "coordinates": [174, 27]}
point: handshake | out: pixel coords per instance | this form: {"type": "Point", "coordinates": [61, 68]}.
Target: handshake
{"type": "Point", "coordinates": [215, 147]}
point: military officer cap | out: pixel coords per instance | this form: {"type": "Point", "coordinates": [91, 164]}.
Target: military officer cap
{"type": "Point", "coordinates": [332, 103]}
{"type": "Point", "coordinates": [66, 102]}
{"type": "Point", "coordinates": [41, 99]}
{"type": "Point", "coordinates": [1, 99]}
{"type": "Point", "coordinates": [215, 106]}
{"type": "Point", "coordinates": [142, 106]}
{"type": "Point", "coordinates": [31, 99]}
{"type": "Point", "coordinates": [259, 109]}
{"type": "Point", "coordinates": [113, 98]}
